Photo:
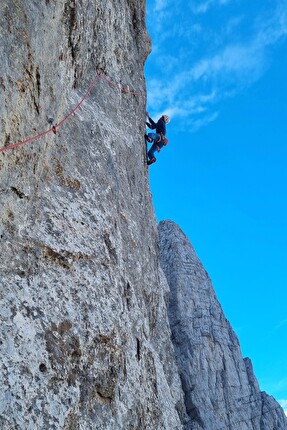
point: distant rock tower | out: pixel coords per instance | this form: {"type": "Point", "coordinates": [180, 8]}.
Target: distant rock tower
{"type": "Point", "coordinates": [220, 388]}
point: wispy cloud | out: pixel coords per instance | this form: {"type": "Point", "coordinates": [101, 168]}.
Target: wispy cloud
{"type": "Point", "coordinates": [192, 87]}
{"type": "Point", "coordinates": [281, 385]}
{"type": "Point", "coordinates": [281, 324]}
{"type": "Point", "coordinates": [203, 6]}
{"type": "Point", "coordinates": [244, 62]}
{"type": "Point", "coordinates": [160, 5]}
{"type": "Point", "coordinates": [235, 62]}
{"type": "Point", "coordinates": [203, 120]}
{"type": "Point", "coordinates": [283, 403]}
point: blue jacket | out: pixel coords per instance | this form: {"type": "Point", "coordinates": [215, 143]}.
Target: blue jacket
{"type": "Point", "coordinates": [159, 126]}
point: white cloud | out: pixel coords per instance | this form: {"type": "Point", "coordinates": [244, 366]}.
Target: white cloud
{"type": "Point", "coordinates": [233, 24]}
{"type": "Point", "coordinates": [158, 13]}
{"type": "Point", "coordinates": [160, 5]}
{"type": "Point", "coordinates": [281, 324]}
{"type": "Point", "coordinates": [281, 385]}
{"type": "Point", "coordinates": [192, 90]}
{"type": "Point", "coordinates": [236, 65]}
{"type": "Point", "coordinates": [245, 61]}
{"type": "Point", "coordinates": [179, 102]}
{"type": "Point", "coordinates": [283, 403]}
{"type": "Point", "coordinates": [203, 121]}
{"type": "Point", "coordinates": [273, 30]}
{"type": "Point", "coordinates": [203, 7]}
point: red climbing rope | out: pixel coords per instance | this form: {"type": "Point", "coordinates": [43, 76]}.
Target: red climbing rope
{"type": "Point", "coordinates": [15, 145]}
{"type": "Point", "coordinates": [54, 128]}
{"type": "Point", "coordinates": [123, 90]}
{"type": "Point", "coordinates": [79, 104]}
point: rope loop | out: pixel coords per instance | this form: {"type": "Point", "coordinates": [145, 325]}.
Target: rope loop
{"type": "Point", "coordinates": [54, 128]}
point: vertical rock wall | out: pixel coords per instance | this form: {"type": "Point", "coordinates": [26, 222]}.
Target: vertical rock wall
{"type": "Point", "coordinates": [81, 295]}
{"type": "Point", "coordinates": [85, 341]}
{"type": "Point", "coordinates": [221, 390]}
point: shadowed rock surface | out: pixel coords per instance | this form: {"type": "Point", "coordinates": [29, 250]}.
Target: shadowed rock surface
{"type": "Point", "coordinates": [221, 390]}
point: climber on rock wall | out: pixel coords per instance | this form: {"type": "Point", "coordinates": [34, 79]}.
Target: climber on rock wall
{"type": "Point", "coordinates": [160, 126]}
{"type": "Point", "coordinates": [158, 143]}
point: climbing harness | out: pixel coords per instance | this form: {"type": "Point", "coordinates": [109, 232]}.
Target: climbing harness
{"type": "Point", "coordinates": [54, 128]}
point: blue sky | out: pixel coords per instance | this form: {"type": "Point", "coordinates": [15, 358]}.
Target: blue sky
{"type": "Point", "coordinates": [219, 69]}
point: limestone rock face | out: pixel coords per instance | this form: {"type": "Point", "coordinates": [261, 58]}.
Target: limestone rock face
{"type": "Point", "coordinates": [85, 341]}
{"type": "Point", "coordinates": [84, 336]}
{"type": "Point", "coordinates": [221, 390]}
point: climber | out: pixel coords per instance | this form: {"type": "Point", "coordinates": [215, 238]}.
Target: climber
{"type": "Point", "coordinates": [160, 126]}
{"type": "Point", "coordinates": [158, 143]}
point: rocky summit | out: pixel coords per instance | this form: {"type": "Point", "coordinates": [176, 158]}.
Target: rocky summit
{"type": "Point", "coordinates": [220, 388]}
{"type": "Point", "coordinates": [94, 333]}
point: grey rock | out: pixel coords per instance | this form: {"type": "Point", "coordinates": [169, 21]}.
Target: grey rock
{"type": "Point", "coordinates": [85, 341]}
{"type": "Point", "coordinates": [82, 299]}
{"type": "Point", "coordinates": [221, 390]}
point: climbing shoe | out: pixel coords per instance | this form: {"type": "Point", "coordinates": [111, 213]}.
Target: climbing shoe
{"type": "Point", "coordinates": [153, 160]}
